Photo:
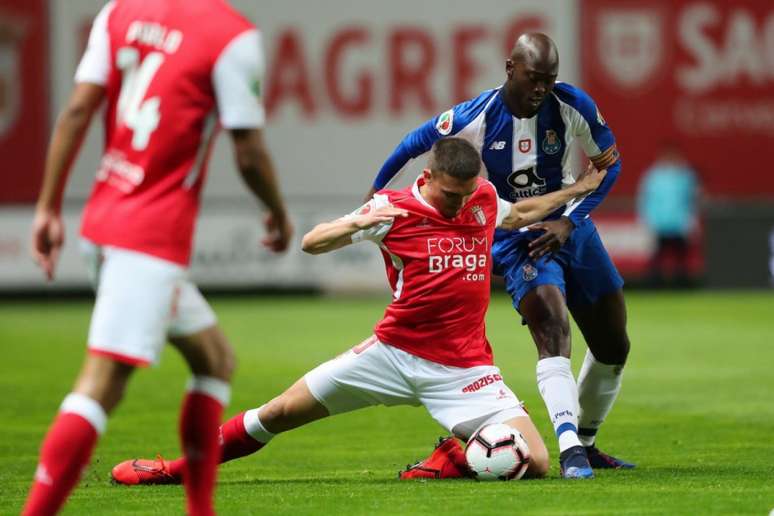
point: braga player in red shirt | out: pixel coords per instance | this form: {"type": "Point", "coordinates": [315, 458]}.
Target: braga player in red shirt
{"type": "Point", "coordinates": [169, 73]}
{"type": "Point", "coordinates": [436, 239]}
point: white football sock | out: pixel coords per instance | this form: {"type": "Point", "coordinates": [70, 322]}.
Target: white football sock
{"type": "Point", "coordinates": [255, 428]}
{"type": "Point", "coordinates": [560, 394]}
{"type": "Point", "coordinates": [598, 387]}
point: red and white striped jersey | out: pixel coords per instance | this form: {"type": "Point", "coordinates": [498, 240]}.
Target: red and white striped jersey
{"type": "Point", "coordinates": [171, 70]}
{"type": "Point", "coordinates": [439, 270]}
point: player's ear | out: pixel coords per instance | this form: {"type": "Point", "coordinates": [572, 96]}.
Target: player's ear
{"type": "Point", "coordinates": [427, 174]}
{"type": "Point", "coordinates": [508, 68]}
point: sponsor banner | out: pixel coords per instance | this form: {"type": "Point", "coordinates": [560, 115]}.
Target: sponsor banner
{"type": "Point", "coordinates": [696, 73]}
{"type": "Point", "coordinates": [227, 254]}
{"type": "Point", "coordinates": [24, 98]}
{"type": "Point", "coordinates": [345, 81]}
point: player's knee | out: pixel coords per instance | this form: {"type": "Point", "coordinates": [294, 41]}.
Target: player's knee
{"type": "Point", "coordinates": [622, 351]}
{"type": "Point", "coordinates": [614, 351]}
{"type": "Point", "coordinates": [547, 318]}
{"type": "Point", "coordinates": [220, 358]}
{"type": "Point", "coordinates": [227, 364]}
{"type": "Point", "coordinates": [552, 337]}
{"type": "Point", "coordinates": [539, 462]}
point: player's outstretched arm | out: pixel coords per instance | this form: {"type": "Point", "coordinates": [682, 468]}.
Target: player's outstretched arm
{"type": "Point", "coordinates": [70, 128]}
{"type": "Point", "coordinates": [257, 169]}
{"type": "Point", "coordinates": [329, 236]}
{"type": "Point", "coordinates": [529, 211]}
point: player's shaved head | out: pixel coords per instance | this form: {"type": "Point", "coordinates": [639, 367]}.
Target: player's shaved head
{"type": "Point", "coordinates": [455, 157]}
{"type": "Point", "coordinates": [531, 72]}
{"type": "Point", "coordinates": [537, 49]}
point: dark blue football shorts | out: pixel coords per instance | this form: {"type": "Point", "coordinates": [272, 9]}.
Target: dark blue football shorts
{"type": "Point", "coordinates": [581, 269]}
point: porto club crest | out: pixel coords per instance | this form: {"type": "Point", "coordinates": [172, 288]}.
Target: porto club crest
{"type": "Point", "coordinates": [551, 142]}
{"type": "Point", "coordinates": [529, 272]}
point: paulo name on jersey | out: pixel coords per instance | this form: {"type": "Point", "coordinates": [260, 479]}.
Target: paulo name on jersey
{"type": "Point", "coordinates": [170, 75]}
{"type": "Point", "coordinates": [439, 271]}
{"type": "Point", "coordinates": [523, 157]}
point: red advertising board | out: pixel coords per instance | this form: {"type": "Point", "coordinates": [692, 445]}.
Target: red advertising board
{"type": "Point", "coordinates": [696, 73]}
{"type": "Point", "coordinates": [24, 98]}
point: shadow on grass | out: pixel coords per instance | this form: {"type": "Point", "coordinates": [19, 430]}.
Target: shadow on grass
{"type": "Point", "coordinates": [339, 481]}
{"type": "Point", "coordinates": [643, 474]}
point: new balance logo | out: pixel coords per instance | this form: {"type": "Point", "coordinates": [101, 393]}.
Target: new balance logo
{"type": "Point", "coordinates": [497, 145]}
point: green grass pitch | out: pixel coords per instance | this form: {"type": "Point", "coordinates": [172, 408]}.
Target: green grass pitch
{"type": "Point", "coordinates": [696, 414]}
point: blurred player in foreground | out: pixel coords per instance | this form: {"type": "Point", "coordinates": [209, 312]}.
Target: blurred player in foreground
{"type": "Point", "coordinates": [523, 131]}
{"type": "Point", "coordinates": [430, 348]}
{"type": "Point", "coordinates": [167, 77]}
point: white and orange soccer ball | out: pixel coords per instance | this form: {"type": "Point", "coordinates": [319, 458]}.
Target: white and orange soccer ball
{"type": "Point", "coordinates": [497, 452]}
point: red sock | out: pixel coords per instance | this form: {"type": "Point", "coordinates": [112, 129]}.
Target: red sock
{"type": "Point", "coordinates": [64, 454]}
{"type": "Point", "coordinates": [199, 424]}
{"type": "Point", "coordinates": [234, 441]}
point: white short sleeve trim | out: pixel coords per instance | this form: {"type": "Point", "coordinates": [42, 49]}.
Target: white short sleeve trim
{"type": "Point", "coordinates": [238, 81]}
{"type": "Point", "coordinates": [503, 210]}
{"type": "Point", "coordinates": [375, 233]}
{"type": "Point", "coordinates": [503, 207]}
{"type": "Point", "coordinates": [95, 63]}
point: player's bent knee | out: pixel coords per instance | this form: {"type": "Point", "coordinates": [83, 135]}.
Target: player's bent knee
{"type": "Point", "coordinates": [538, 453]}
{"type": "Point", "coordinates": [546, 315]}
{"type": "Point", "coordinates": [613, 351]}
{"type": "Point", "coordinates": [221, 354]}
{"type": "Point", "coordinates": [208, 353]}
{"type": "Point", "coordinates": [228, 363]}
{"type": "Point", "coordinates": [539, 461]}
{"type": "Point", "coordinates": [552, 338]}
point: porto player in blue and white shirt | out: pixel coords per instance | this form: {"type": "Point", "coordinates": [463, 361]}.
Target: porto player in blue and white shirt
{"type": "Point", "coordinates": [524, 130]}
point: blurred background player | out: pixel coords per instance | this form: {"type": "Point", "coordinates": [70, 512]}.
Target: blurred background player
{"type": "Point", "coordinates": [167, 78]}
{"type": "Point", "coordinates": [667, 203]}
{"type": "Point", "coordinates": [524, 130]}
{"type": "Point", "coordinates": [431, 346]}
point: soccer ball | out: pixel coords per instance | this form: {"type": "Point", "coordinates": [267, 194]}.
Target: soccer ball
{"type": "Point", "coordinates": [497, 452]}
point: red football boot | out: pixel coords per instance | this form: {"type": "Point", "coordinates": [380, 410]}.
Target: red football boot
{"type": "Point", "coordinates": [446, 461]}
{"type": "Point", "coordinates": [144, 472]}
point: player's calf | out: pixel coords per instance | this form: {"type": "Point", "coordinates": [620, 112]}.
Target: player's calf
{"type": "Point", "coordinates": [240, 436]}
{"type": "Point", "coordinates": [293, 408]}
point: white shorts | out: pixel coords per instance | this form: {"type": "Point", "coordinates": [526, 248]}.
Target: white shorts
{"type": "Point", "coordinates": [373, 373]}
{"type": "Point", "coordinates": [141, 301]}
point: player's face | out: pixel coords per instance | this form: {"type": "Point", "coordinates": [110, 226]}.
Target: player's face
{"type": "Point", "coordinates": [447, 194]}
{"type": "Point", "coordinates": [529, 83]}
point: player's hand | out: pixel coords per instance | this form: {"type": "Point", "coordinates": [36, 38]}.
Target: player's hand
{"type": "Point", "coordinates": [590, 179]}
{"type": "Point", "coordinates": [556, 233]}
{"type": "Point", "coordinates": [47, 240]}
{"type": "Point", "coordinates": [279, 231]}
{"type": "Point", "coordinates": [372, 218]}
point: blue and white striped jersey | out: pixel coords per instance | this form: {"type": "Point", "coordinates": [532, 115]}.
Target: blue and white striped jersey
{"type": "Point", "coordinates": [523, 157]}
